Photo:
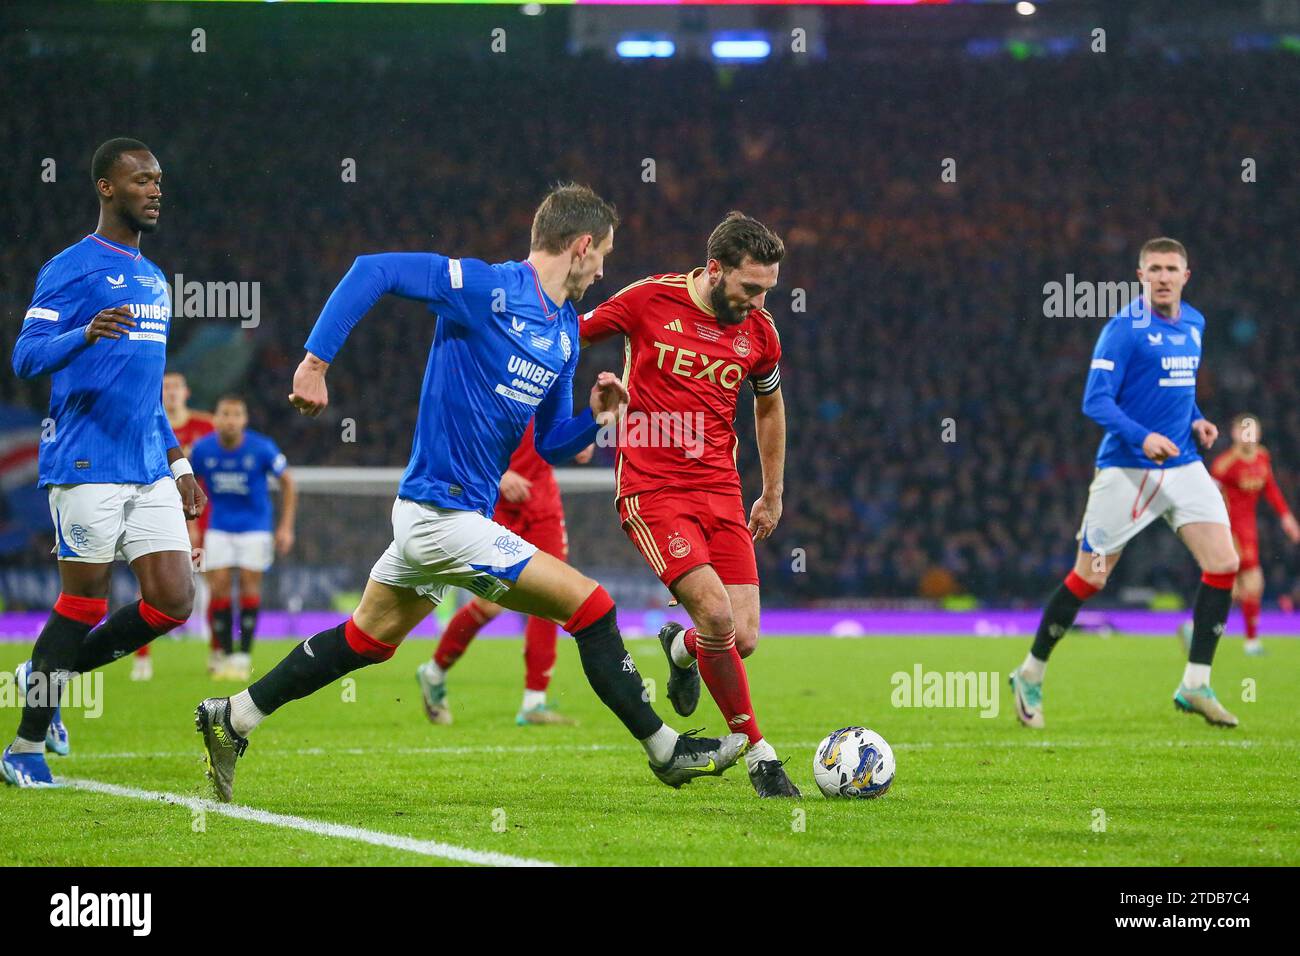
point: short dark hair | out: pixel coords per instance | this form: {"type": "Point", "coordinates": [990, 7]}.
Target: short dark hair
{"type": "Point", "coordinates": [230, 397]}
{"type": "Point", "coordinates": [101, 164]}
{"type": "Point", "coordinates": [739, 236]}
{"type": "Point", "coordinates": [570, 211]}
{"type": "Point", "coordinates": [1161, 244]}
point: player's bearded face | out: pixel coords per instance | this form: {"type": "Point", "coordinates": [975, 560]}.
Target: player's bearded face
{"type": "Point", "coordinates": [137, 190]}
{"type": "Point", "coordinates": [727, 314]}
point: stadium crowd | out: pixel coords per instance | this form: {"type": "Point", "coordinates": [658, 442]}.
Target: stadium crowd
{"type": "Point", "coordinates": [936, 443]}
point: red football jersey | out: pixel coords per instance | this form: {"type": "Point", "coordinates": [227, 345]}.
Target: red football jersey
{"type": "Point", "coordinates": [195, 427]}
{"type": "Point", "coordinates": [1243, 480]}
{"type": "Point", "coordinates": [544, 493]}
{"type": "Point", "coordinates": [683, 371]}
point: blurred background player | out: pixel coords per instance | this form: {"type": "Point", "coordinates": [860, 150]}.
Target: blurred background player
{"type": "Point", "coordinates": [118, 483]}
{"type": "Point", "coordinates": [1142, 390]}
{"type": "Point", "coordinates": [235, 463]}
{"type": "Point", "coordinates": [690, 342]}
{"type": "Point", "coordinates": [1244, 472]}
{"type": "Point", "coordinates": [530, 506]}
{"type": "Point", "coordinates": [189, 426]}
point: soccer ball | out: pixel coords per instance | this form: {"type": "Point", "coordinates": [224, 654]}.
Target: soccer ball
{"type": "Point", "coordinates": [853, 762]}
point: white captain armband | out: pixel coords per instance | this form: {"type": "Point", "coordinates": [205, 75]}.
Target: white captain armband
{"type": "Point", "coordinates": [768, 383]}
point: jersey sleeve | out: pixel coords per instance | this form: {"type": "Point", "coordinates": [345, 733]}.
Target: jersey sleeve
{"type": "Point", "coordinates": [454, 288]}
{"type": "Point", "coordinates": [766, 377]}
{"type": "Point", "coordinates": [51, 336]}
{"type": "Point", "coordinates": [1105, 377]}
{"type": "Point", "coordinates": [165, 429]}
{"type": "Point", "coordinates": [612, 317]}
{"type": "Point", "coordinates": [558, 434]}
{"type": "Point", "coordinates": [275, 461]}
{"type": "Point", "coordinates": [1273, 493]}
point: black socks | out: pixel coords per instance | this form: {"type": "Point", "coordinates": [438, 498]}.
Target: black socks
{"type": "Point", "coordinates": [614, 677]}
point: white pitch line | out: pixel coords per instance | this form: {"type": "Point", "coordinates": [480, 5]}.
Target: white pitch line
{"type": "Point", "coordinates": [596, 748]}
{"type": "Point", "coordinates": [444, 851]}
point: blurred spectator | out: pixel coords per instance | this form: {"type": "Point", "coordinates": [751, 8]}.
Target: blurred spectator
{"type": "Point", "coordinates": [923, 300]}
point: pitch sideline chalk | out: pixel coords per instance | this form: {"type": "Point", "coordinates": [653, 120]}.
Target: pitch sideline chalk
{"type": "Point", "coordinates": [445, 851]}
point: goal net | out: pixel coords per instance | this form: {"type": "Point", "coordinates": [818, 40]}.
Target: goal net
{"type": "Point", "coordinates": [344, 523]}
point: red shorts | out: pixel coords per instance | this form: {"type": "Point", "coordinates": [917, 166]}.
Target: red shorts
{"type": "Point", "coordinates": [676, 531]}
{"type": "Point", "coordinates": [545, 530]}
{"type": "Point", "coordinates": [1247, 549]}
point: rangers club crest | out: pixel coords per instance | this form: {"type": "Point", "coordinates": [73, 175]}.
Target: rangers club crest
{"type": "Point", "coordinates": [566, 346]}
{"type": "Point", "coordinates": [678, 546]}
{"type": "Point", "coordinates": [741, 344]}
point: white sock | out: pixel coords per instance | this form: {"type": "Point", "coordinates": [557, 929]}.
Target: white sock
{"type": "Point", "coordinates": [534, 698]}
{"type": "Point", "coordinates": [436, 674]}
{"type": "Point", "coordinates": [1196, 676]}
{"type": "Point", "coordinates": [244, 715]}
{"type": "Point", "coordinates": [661, 744]}
{"type": "Point", "coordinates": [681, 657]}
{"type": "Point", "coordinates": [1033, 669]}
{"type": "Point", "coordinates": [759, 751]}
{"type": "Point", "coordinates": [21, 746]}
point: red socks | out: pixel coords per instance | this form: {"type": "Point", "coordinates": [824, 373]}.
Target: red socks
{"type": "Point", "coordinates": [157, 621]}
{"type": "Point", "coordinates": [539, 641]}
{"type": "Point", "coordinates": [1078, 586]}
{"type": "Point", "coordinates": [461, 629]}
{"type": "Point", "coordinates": [1250, 611]}
{"type": "Point", "coordinates": [724, 674]}
{"type": "Point", "coordinates": [539, 653]}
{"type": "Point", "coordinates": [596, 606]}
{"type": "Point", "coordinates": [83, 610]}
{"type": "Point", "coordinates": [365, 645]}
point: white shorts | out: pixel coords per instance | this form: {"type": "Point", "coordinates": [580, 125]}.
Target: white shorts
{"type": "Point", "coordinates": [436, 547]}
{"type": "Point", "coordinates": [95, 523]}
{"type": "Point", "coordinates": [1123, 501]}
{"type": "Point", "coordinates": [247, 550]}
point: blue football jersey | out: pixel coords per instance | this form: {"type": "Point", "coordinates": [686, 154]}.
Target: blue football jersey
{"type": "Point", "coordinates": [502, 353]}
{"type": "Point", "coordinates": [236, 479]}
{"type": "Point", "coordinates": [1142, 380]}
{"type": "Point", "coordinates": [106, 397]}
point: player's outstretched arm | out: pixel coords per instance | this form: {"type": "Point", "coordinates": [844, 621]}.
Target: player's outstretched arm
{"type": "Point", "coordinates": [407, 274]}
{"type": "Point", "coordinates": [558, 436]}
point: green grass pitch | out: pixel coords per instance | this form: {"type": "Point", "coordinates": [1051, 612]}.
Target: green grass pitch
{"type": "Point", "coordinates": [1118, 777]}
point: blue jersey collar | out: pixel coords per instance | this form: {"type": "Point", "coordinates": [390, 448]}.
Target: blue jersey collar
{"type": "Point", "coordinates": [115, 246]}
{"type": "Point", "coordinates": [549, 309]}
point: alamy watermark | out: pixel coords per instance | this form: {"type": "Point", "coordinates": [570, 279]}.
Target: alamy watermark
{"type": "Point", "coordinates": [922, 688]}
{"type": "Point", "coordinates": [69, 689]}
{"type": "Point", "coordinates": [640, 429]}
{"type": "Point", "coordinates": [1083, 299]}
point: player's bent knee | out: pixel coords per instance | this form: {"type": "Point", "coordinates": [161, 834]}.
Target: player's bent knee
{"type": "Point", "coordinates": [1223, 566]}
{"type": "Point", "coordinates": [746, 641]}
{"type": "Point", "coordinates": [176, 600]}
{"type": "Point", "coordinates": [716, 623]}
